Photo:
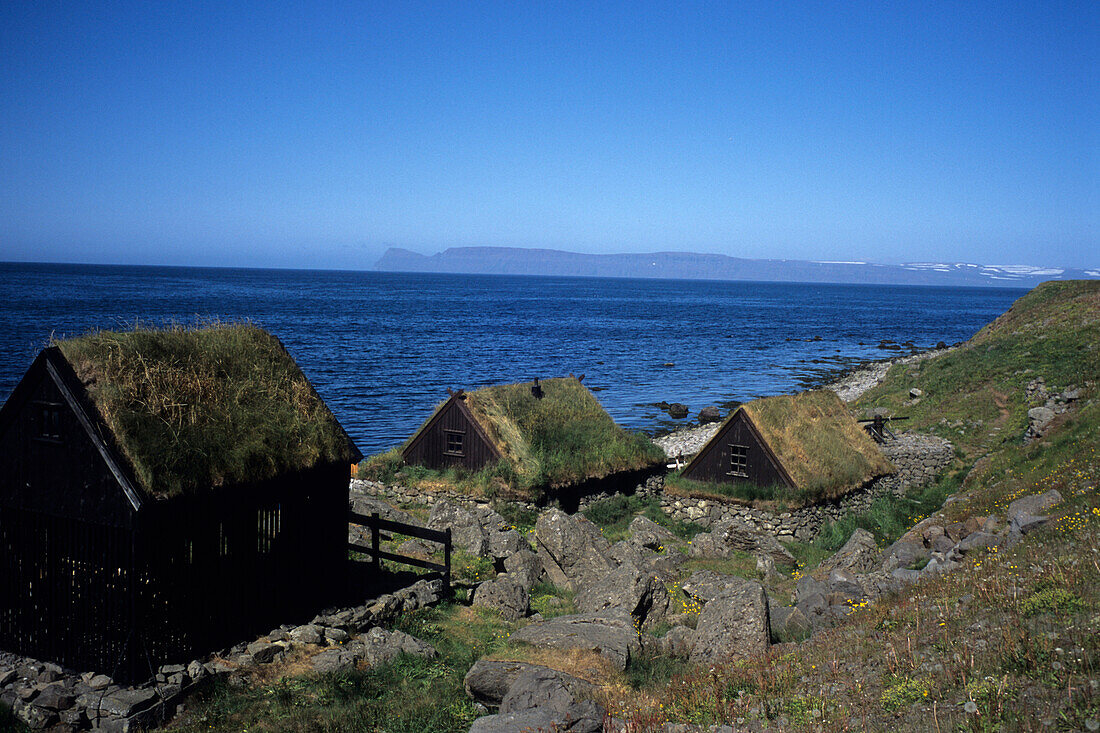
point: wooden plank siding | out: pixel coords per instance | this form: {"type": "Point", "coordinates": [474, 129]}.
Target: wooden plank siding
{"type": "Point", "coordinates": [430, 446]}
{"type": "Point", "coordinates": [91, 581]}
{"type": "Point", "coordinates": [714, 462]}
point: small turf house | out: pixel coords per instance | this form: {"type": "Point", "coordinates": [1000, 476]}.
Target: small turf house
{"type": "Point", "coordinates": [164, 493]}
{"type": "Point", "coordinates": [548, 434]}
{"type": "Point", "coordinates": [808, 442]}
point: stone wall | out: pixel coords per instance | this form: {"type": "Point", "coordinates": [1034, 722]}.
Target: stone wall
{"type": "Point", "coordinates": [918, 459]}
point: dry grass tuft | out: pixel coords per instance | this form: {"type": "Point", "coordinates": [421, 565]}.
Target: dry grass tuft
{"type": "Point", "coordinates": [196, 407]}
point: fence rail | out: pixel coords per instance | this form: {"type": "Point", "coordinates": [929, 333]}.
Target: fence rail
{"type": "Point", "coordinates": [377, 525]}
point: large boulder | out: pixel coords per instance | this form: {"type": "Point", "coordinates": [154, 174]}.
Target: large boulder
{"type": "Point", "coordinates": [859, 554]}
{"type": "Point", "coordinates": [586, 717]}
{"type": "Point", "coordinates": [610, 633]}
{"type": "Point", "coordinates": [733, 625]}
{"type": "Point", "coordinates": [504, 543]}
{"type": "Point", "coordinates": [488, 681]}
{"type": "Point", "coordinates": [506, 595]}
{"type": "Point", "coordinates": [709, 414]}
{"type": "Point", "coordinates": [647, 533]}
{"type": "Point", "coordinates": [525, 567]}
{"type": "Point", "coordinates": [706, 585]}
{"type": "Point", "coordinates": [1035, 504]}
{"type": "Point", "coordinates": [545, 688]}
{"type": "Point", "coordinates": [467, 532]}
{"type": "Point", "coordinates": [788, 624]}
{"type": "Point", "coordinates": [573, 551]}
{"type": "Point", "coordinates": [625, 588]}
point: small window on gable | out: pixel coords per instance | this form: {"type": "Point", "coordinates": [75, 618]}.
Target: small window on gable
{"type": "Point", "coordinates": [48, 416]}
{"type": "Point", "coordinates": [739, 461]}
{"type": "Point", "coordinates": [455, 442]}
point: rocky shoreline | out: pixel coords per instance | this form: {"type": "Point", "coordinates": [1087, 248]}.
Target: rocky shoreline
{"type": "Point", "coordinates": [687, 441]}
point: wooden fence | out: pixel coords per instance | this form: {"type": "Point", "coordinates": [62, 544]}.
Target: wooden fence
{"type": "Point", "coordinates": [377, 525]}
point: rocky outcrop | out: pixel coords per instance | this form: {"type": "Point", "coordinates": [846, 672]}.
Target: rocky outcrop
{"type": "Point", "coordinates": [733, 625]}
{"type": "Point", "coordinates": [532, 698]}
{"type": "Point", "coordinates": [859, 554]}
{"type": "Point", "coordinates": [573, 551]}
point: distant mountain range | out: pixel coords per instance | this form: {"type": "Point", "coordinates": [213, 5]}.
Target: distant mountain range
{"type": "Point", "coordinates": [694, 266]}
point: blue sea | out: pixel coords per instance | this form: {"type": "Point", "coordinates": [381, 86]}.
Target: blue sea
{"type": "Point", "coordinates": [382, 348]}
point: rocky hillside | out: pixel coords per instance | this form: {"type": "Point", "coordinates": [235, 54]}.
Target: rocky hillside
{"type": "Point", "coordinates": [968, 603]}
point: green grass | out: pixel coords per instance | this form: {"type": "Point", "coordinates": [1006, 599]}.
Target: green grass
{"type": "Point", "coordinates": [198, 407]}
{"type": "Point", "coordinates": [776, 495]}
{"type": "Point", "coordinates": [562, 439]}
{"type": "Point", "coordinates": [614, 514]}
{"type": "Point", "coordinates": [409, 695]}
{"type": "Point", "coordinates": [889, 517]}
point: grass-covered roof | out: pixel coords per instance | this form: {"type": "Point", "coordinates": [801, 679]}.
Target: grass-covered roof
{"type": "Point", "coordinates": [196, 407]}
{"type": "Point", "coordinates": [817, 440]}
{"type": "Point", "coordinates": [561, 439]}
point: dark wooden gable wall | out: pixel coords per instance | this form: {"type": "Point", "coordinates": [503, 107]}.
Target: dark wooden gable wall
{"type": "Point", "coordinates": [49, 462]}
{"type": "Point", "coordinates": [757, 463]}
{"type": "Point", "coordinates": [451, 438]}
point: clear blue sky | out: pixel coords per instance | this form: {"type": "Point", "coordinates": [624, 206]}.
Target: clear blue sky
{"type": "Point", "coordinates": [317, 135]}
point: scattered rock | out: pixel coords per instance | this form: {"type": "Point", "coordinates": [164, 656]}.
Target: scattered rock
{"type": "Point", "coordinates": [544, 688]}
{"type": "Point", "coordinates": [739, 535]}
{"type": "Point", "coordinates": [678, 642]}
{"type": "Point", "coordinates": [677, 411]}
{"type": "Point", "coordinates": [706, 585]}
{"type": "Point", "coordinates": [915, 393]}
{"type": "Point", "coordinates": [506, 595]}
{"type": "Point", "coordinates": [333, 661]}
{"type": "Point", "coordinates": [977, 541]}
{"type": "Point", "coordinates": [647, 533]}
{"type": "Point", "coordinates": [710, 414]}
{"type": "Point", "coordinates": [788, 624]}
{"type": "Point", "coordinates": [264, 652]}
{"type": "Point", "coordinates": [525, 567]}
{"type": "Point", "coordinates": [584, 717]}
{"type": "Point", "coordinates": [626, 588]}
{"type": "Point", "coordinates": [1036, 504]}
{"type": "Point", "coordinates": [307, 634]}
{"type": "Point", "coordinates": [733, 625]}
{"type": "Point", "coordinates": [124, 703]}
{"type": "Point", "coordinates": [383, 646]}
{"type": "Point", "coordinates": [487, 682]}
{"type": "Point", "coordinates": [859, 554]}
{"type": "Point", "coordinates": [573, 551]}
{"type": "Point", "coordinates": [609, 633]}
{"type": "Point", "coordinates": [467, 531]}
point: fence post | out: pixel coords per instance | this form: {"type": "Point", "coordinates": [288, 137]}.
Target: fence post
{"type": "Point", "coordinates": [447, 565]}
{"type": "Point", "coordinates": [374, 541]}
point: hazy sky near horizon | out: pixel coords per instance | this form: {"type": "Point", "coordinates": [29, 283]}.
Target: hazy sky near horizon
{"type": "Point", "coordinates": [318, 134]}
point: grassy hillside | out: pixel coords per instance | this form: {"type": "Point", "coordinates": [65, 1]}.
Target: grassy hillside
{"type": "Point", "coordinates": [1010, 641]}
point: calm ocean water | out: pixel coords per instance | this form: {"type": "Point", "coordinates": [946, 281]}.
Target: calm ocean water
{"type": "Point", "coordinates": [382, 348]}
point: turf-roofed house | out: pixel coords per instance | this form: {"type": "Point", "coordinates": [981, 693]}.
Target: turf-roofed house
{"type": "Point", "coordinates": [807, 444]}
{"type": "Point", "coordinates": [535, 439]}
{"type": "Point", "coordinates": [164, 493]}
